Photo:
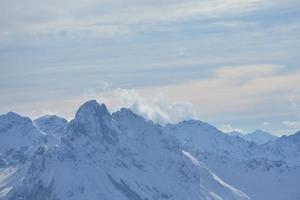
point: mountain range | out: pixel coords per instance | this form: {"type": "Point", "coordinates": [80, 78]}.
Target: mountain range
{"type": "Point", "coordinates": [257, 136]}
{"type": "Point", "coordinates": [121, 155]}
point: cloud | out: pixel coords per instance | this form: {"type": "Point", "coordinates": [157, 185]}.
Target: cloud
{"type": "Point", "coordinates": [227, 128]}
{"type": "Point", "coordinates": [226, 94]}
{"type": "Point", "coordinates": [292, 124]}
{"type": "Point", "coordinates": [158, 108]}
{"type": "Point", "coordinates": [65, 18]}
{"type": "Point", "coordinates": [267, 124]}
{"type": "Point", "coordinates": [243, 73]}
{"type": "Point", "coordinates": [261, 89]}
{"type": "Point", "coordinates": [221, 97]}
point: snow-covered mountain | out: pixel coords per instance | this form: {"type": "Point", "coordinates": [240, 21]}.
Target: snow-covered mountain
{"type": "Point", "coordinates": [285, 148]}
{"type": "Point", "coordinates": [208, 139]}
{"type": "Point", "coordinates": [105, 156]}
{"type": "Point", "coordinates": [257, 136]}
{"type": "Point", "coordinates": [99, 155]}
{"type": "Point", "coordinates": [53, 127]}
{"type": "Point", "coordinates": [18, 135]}
{"type": "Point", "coordinates": [268, 171]}
{"type": "Point", "coordinates": [52, 124]}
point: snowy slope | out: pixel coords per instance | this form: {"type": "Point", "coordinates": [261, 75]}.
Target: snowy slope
{"type": "Point", "coordinates": [52, 124]}
{"type": "Point", "coordinates": [53, 127]}
{"type": "Point", "coordinates": [268, 171]}
{"type": "Point", "coordinates": [260, 178]}
{"type": "Point", "coordinates": [17, 136]}
{"type": "Point", "coordinates": [208, 139]}
{"type": "Point", "coordinates": [120, 156]}
{"type": "Point", "coordinates": [18, 139]}
{"type": "Point", "coordinates": [285, 148]}
{"type": "Point", "coordinates": [257, 136]}
{"type": "Point", "coordinates": [17, 132]}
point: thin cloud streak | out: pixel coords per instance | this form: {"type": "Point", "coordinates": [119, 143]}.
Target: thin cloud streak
{"type": "Point", "coordinates": [229, 92]}
{"type": "Point", "coordinates": [292, 124]}
{"type": "Point", "coordinates": [113, 18]}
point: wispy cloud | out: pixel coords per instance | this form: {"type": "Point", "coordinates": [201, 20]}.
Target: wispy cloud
{"type": "Point", "coordinates": [158, 108]}
{"type": "Point", "coordinates": [32, 19]}
{"type": "Point", "coordinates": [238, 89]}
{"type": "Point", "coordinates": [292, 124]}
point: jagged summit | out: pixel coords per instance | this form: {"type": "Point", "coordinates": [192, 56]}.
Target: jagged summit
{"type": "Point", "coordinates": [92, 108]}
{"type": "Point", "coordinates": [93, 120]}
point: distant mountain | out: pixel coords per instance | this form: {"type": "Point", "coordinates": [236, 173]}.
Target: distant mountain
{"type": "Point", "coordinates": [106, 156]}
{"type": "Point", "coordinates": [208, 138]}
{"type": "Point", "coordinates": [285, 148]}
{"type": "Point", "coordinates": [267, 171]}
{"type": "Point", "coordinates": [53, 127]}
{"type": "Point", "coordinates": [258, 136]}
{"type": "Point", "coordinates": [52, 124]}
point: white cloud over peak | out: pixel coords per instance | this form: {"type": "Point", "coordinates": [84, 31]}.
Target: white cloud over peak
{"type": "Point", "coordinates": [242, 73]}
{"type": "Point", "coordinates": [157, 108]}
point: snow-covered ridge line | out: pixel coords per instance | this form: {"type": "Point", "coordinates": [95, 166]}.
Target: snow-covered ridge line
{"type": "Point", "coordinates": [102, 155]}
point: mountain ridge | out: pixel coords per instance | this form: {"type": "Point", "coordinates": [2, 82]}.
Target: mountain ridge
{"type": "Point", "coordinates": [257, 136]}
{"type": "Point", "coordinates": [112, 156]}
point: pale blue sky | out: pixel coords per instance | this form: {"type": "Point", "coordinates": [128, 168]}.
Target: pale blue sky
{"type": "Point", "coordinates": [56, 54]}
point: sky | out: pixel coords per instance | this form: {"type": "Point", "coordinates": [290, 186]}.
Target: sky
{"type": "Point", "coordinates": [232, 63]}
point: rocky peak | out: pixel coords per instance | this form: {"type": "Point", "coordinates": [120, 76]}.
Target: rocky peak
{"type": "Point", "coordinates": [91, 109]}
{"type": "Point", "coordinates": [93, 120]}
